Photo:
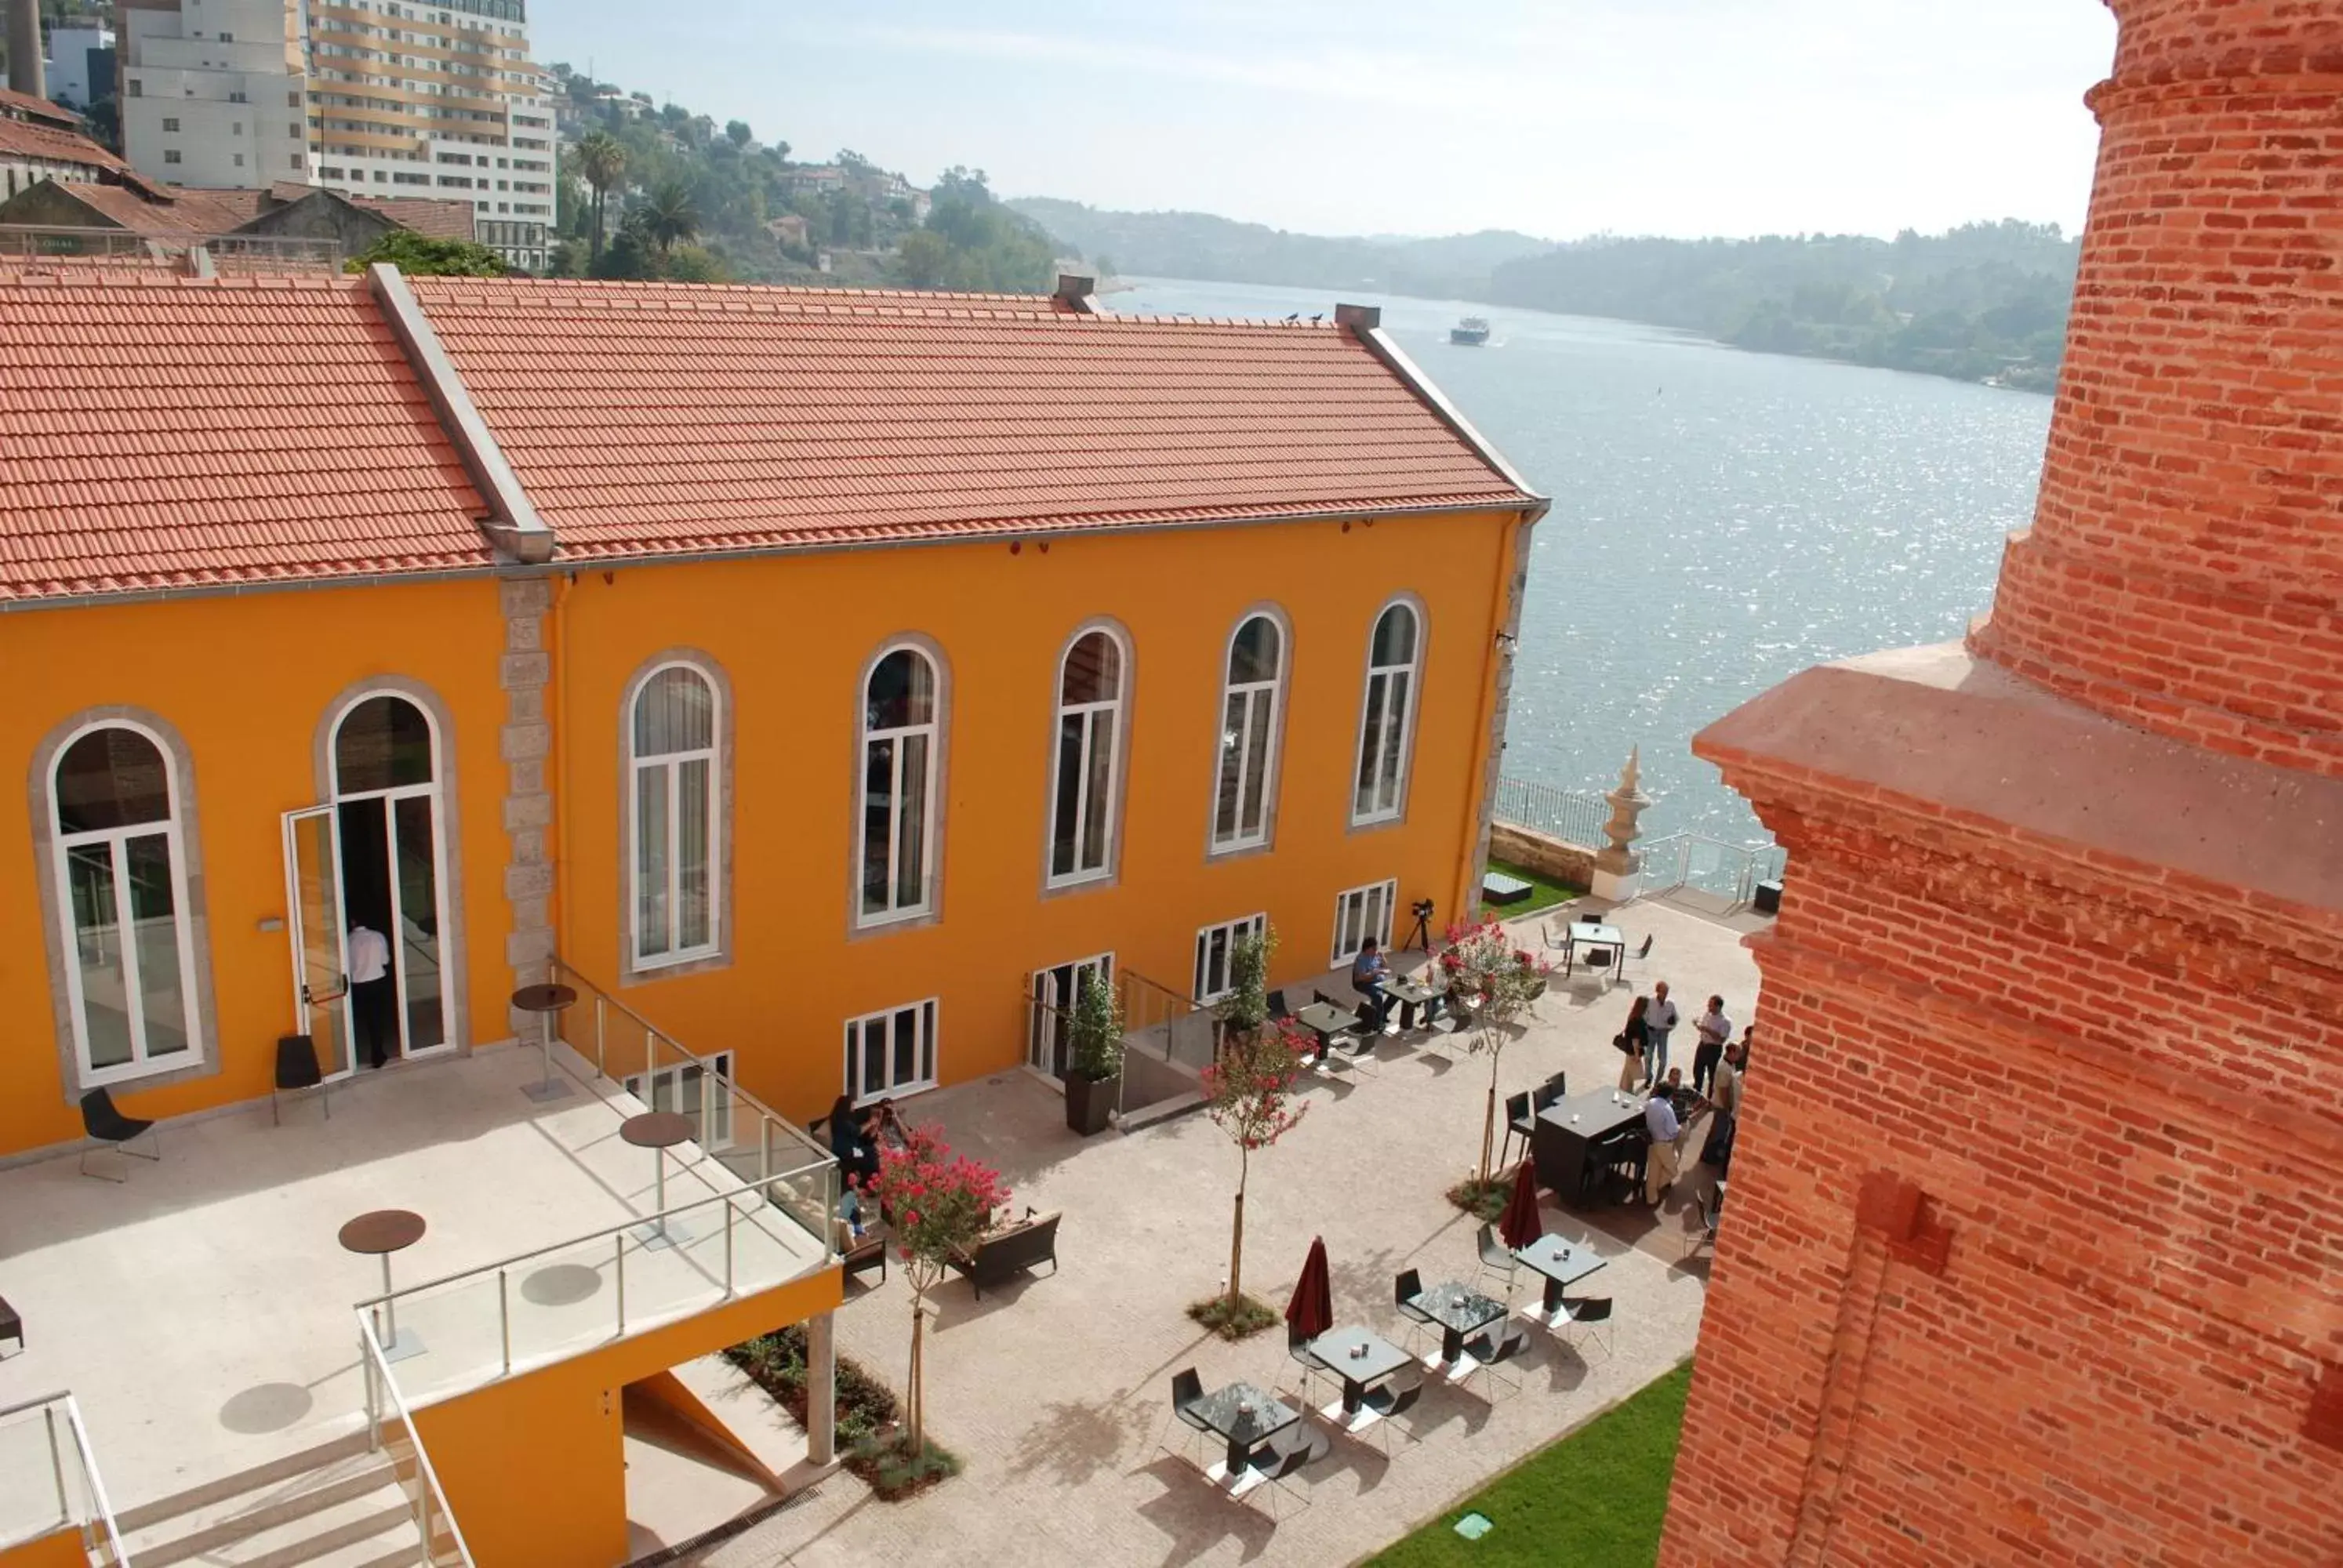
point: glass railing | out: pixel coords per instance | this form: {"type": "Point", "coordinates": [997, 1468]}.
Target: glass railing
{"type": "Point", "coordinates": [1728, 873]}
{"type": "Point", "coordinates": [734, 1127]}
{"type": "Point", "coordinates": [49, 1481]}
{"type": "Point", "coordinates": [435, 1521]}
{"type": "Point", "coordinates": [1573, 816]}
{"type": "Point", "coordinates": [1163, 1022]}
{"type": "Point", "coordinates": [455, 1333]}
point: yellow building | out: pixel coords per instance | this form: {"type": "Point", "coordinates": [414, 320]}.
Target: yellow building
{"type": "Point", "coordinates": [812, 678]}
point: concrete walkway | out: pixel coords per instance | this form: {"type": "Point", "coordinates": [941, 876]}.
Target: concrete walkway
{"type": "Point", "coordinates": [1054, 1391]}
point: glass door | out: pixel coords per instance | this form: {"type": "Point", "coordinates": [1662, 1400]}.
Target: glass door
{"type": "Point", "coordinates": [313, 880]}
{"type": "Point", "coordinates": [1050, 1044]}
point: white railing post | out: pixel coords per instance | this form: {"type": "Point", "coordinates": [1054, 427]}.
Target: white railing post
{"type": "Point", "coordinates": [601, 1033]}
{"type": "Point", "coordinates": [504, 1319]}
{"type": "Point", "coordinates": [727, 1246]}
{"type": "Point", "coordinates": [57, 1464]}
{"type": "Point", "coordinates": [650, 1065]}
{"type": "Point", "coordinates": [621, 1241]}
{"type": "Point", "coordinates": [374, 1398]}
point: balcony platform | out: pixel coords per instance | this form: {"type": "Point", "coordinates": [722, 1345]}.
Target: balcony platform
{"type": "Point", "coordinates": [201, 1312]}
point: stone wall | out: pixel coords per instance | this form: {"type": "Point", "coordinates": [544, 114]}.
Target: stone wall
{"type": "Point", "coordinates": [1549, 857]}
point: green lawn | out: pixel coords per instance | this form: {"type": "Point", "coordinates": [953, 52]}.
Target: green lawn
{"type": "Point", "coordinates": [1594, 1500]}
{"type": "Point", "coordinates": [1549, 892]}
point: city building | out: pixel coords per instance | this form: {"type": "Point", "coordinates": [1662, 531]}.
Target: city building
{"type": "Point", "coordinates": [806, 677]}
{"type": "Point", "coordinates": [173, 218]}
{"type": "Point", "coordinates": [80, 65]}
{"type": "Point", "coordinates": [373, 97]}
{"type": "Point", "coordinates": [40, 141]}
{"type": "Point", "coordinates": [2031, 1252]}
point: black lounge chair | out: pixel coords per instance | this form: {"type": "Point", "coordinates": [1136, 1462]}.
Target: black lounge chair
{"type": "Point", "coordinates": [297, 1068]}
{"type": "Point", "coordinates": [105, 1125]}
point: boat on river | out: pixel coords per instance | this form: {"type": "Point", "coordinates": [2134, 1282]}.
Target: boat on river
{"type": "Point", "coordinates": [1472, 331]}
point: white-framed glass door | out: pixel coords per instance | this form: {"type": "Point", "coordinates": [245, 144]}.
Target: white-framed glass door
{"type": "Point", "coordinates": [1048, 1045]}
{"type": "Point", "coordinates": [680, 1089]}
{"type": "Point", "coordinates": [313, 921]}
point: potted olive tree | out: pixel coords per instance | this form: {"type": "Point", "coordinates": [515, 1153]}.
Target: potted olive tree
{"type": "Point", "coordinates": [1093, 1056]}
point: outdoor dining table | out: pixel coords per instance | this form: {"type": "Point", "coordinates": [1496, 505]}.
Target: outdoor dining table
{"type": "Point", "coordinates": [1564, 1139]}
{"type": "Point", "coordinates": [1247, 1417]}
{"type": "Point", "coordinates": [1563, 1263]}
{"type": "Point", "coordinates": [1459, 1310]}
{"type": "Point", "coordinates": [1595, 938]}
{"type": "Point", "coordinates": [1325, 1021]}
{"type": "Point", "coordinates": [1411, 995]}
{"type": "Point", "coordinates": [1361, 1358]}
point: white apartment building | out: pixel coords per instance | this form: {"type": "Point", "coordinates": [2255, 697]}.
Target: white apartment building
{"type": "Point", "coordinates": [67, 69]}
{"type": "Point", "coordinates": [400, 99]}
{"type": "Point", "coordinates": [213, 93]}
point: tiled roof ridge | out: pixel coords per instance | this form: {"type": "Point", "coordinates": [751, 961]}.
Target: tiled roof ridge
{"type": "Point", "coordinates": [40, 272]}
{"type": "Point", "coordinates": [784, 299]}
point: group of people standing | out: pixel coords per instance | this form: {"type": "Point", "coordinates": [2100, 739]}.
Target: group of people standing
{"type": "Point", "coordinates": [1718, 1062]}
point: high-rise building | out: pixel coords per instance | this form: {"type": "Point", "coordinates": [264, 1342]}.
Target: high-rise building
{"type": "Point", "coordinates": [374, 97]}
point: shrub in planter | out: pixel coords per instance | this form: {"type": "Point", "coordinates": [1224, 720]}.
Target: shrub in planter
{"type": "Point", "coordinates": [1094, 1050]}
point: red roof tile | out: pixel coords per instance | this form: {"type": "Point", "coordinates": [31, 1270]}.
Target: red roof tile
{"type": "Point", "coordinates": [25, 139]}
{"type": "Point", "coordinates": [174, 213]}
{"type": "Point", "coordinates": [16, 105]}
{"type": "Point", "coordinates": [647, 419]}
{"type": "Point", "coordinates": [424, 215]}
{"type": "Point", "coordinates": [168, 434]}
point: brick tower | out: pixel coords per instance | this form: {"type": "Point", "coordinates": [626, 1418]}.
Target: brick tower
{"type": "Point", "coordinates": [2034, 1244]}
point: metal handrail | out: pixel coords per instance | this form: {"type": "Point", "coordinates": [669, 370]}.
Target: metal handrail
{"type": "Point", "coordinates": [87, 1456]}
{"type": "Point", "coordinates": [653, 1038]}
{"type": "Point", "coordinates": [1574, 816]}
{"type": "Point", "coordinates": [1753, 860]}
{"type": "Point", "coordinates": [379, 1371]}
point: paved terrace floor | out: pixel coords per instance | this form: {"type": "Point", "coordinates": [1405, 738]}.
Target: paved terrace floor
{"type": "Point", "coordinates": [201, 1310]}
{"type": "Point", "coordinates": [1055, 1389]}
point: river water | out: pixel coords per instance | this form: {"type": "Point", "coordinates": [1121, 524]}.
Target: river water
{"type": "Point", "coordinates": [1720, 521]}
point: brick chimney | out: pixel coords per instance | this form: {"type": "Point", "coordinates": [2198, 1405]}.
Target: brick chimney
{"type": "Point", "coordinates": [2185, 562]}
{"type": "Point", "coordinates": [2031, 1254]}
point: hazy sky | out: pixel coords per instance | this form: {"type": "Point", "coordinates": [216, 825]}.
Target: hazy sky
{"type": "Point", "coordinates": [1561, 118]}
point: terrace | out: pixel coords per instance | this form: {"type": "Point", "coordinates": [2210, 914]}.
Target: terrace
{"type": "Point", "coordinates": [1054, 1390]}
{"type": "Point", "coordinates": [201, 1312]}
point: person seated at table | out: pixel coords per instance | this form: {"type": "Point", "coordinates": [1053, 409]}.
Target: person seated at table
{"type": "Point", "coordinates": [1666, 1157]}
{"type": "Point", "coordinates": [857, 1156]}
{"type": "Point", "coordinates": [1368, 973]}
{"type": "Point", "coordinates": [882, 1126]}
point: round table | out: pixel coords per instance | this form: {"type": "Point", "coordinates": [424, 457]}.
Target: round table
{"type": "Point", "coordinates": [545, 1000]}
{"type": "Point", "coordinates": [382, 1233]}
{"type": "Point", "coordinates": [659, 1131]}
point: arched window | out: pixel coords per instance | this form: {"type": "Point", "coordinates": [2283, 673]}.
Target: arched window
{"type": "Point", "coordinates": [1086, 764]}
{"type": "Point", "coordinates": [1388, 723]}
{"type": "Point", "coordinates": [899, 710]}
{"type": "Point", "coordinates": [674, 825]}
{"type": "Point", "coordinates": [123, 891]}
{"type": "Point", "coordinates": [393, 857]}
{"type": "Point", "coordinates": [1254, 692]}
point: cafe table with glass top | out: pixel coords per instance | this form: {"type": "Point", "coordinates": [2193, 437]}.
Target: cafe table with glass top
{"type": "Point", "coordinates": [1460, 1311]}
{"type": "Point", "coordinates": [1246, 1417]}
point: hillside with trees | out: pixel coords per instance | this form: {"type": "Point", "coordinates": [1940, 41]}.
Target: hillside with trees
{"type": "Point", "coordinates": [655, 191]}
{"type": "Point", "coordinates": [1984, 301]}
{"type": "Point", "coordinates": [1198, 246]}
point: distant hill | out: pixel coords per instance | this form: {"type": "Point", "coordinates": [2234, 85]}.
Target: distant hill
{"type": "Point", "coordinates": [1220, 250]}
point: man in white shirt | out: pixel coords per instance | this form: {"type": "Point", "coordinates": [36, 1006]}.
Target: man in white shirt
{"type": "Point", "coordinates": [1659, 1018]}
{"type": "Point", "coordinates": [373, 1007]}
{"type": "Point", "coordinates": [1666, 1158]}
{"type": "Point", "coordinates": [1713, 1029]}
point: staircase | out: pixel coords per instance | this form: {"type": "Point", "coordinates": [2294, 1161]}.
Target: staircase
{"type": "Point", "coordinates": [339, 1505]}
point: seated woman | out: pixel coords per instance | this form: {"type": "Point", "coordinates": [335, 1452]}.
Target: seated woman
{"type": "Point", "coordinates": [857, 1156]}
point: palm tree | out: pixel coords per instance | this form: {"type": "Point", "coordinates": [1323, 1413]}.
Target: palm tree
{"type": "Point", "coordinates": [600, 161]}
{"type": "Point", "coordinates": [672, 214]}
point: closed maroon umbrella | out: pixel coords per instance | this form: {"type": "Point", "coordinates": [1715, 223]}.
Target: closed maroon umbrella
{"type": "Point", "coordinates": [1522, 1224]}
{"type": "Point", "coordinates": [1311, 1313]}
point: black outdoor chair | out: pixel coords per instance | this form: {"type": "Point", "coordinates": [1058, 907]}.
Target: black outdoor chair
{"type": "Point", "coordinates": [103, 1123]}
{"type": "Point", "coordinates": [1521, 1122]}
{"type": "Point", "coordinates": [1590, 1317]}
{"type": "Point", "coordinates": [1406, 1288]}
{"type": "Point", "coordinates": [1390, 1399]}
{"type": "Point", "coordinates": [1546, 1093]}
{"type": "Point", "coordinates": [1297, 1349]}
{"type": "Point", "coordinates": [1277, 1008]}
{"type": "Point", "coordinates": [1495, 1346]}
{"type": "Point", "coordinates": [1287, 1453]}
{"type": "Point", "coordinates": [1187, 1393]}
{"type": "Point", "coordinates": [297, 1068]}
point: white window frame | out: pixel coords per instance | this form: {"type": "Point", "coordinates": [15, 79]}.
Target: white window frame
{"type": "Point", "coordinates": [665, 1084]}
{"type": "Point", "coordinates": [1230, 933]}
{"type": "Point", "coordinates": [933, 729]}
{"type": "Point", "coordinates": [925, 1013]}
{"type": "Point", "coordinates": [671, 763]}
{"type": "Point", "coordinates": [1364, 901]}
{"type": "Point", "coordinates": [140, 1064]}
{"type": "Point", "coordinates": [1085, 807]}
{"type": "Point", "coordinates": [1042, 985]}
{"type": "Point", "coordinates": [1375, 698]}
{"type": "Point", "coordinates": [1272, 692]}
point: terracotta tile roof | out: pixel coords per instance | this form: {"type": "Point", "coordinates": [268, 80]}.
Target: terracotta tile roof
{"type": "Point", "coordinates": [647, 419]}
{"type": "Point", "coordinates": [16, 105]}
{"type": "Point", "coordinates": [175, 214]}
{"type": "Point", "coordinates": [166, 434]}
{"type": "Point", "coordinates": [25, 139]}
{"type": "Point", "coordinates": [424, 215]}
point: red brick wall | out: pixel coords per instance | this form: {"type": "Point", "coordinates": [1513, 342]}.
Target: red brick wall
{"type": "Point", "coordinates": [2185, 568]}
{"type": "Point", "coordinates": [2118, 1102]}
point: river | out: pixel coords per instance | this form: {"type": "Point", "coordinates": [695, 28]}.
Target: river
{"type": "Point", "coordinates": [1720, 521]}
